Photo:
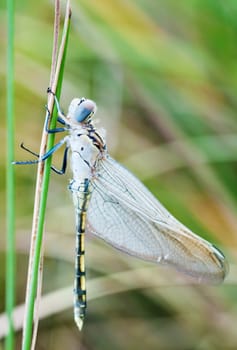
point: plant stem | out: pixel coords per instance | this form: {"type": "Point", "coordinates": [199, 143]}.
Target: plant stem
{"type": "Point", "coordinates": [10, 186]}
{"type": "Point", "coordinates": [41, 196]}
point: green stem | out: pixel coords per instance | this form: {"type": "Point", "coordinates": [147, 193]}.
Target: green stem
{"type": "Point", "coordinates": [33, 282]}
{"type": "Point", "coordinates": [10, 186]}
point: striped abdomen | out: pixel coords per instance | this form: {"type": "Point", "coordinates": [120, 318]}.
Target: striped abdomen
{"type": "Point", "coordinates": [81, 197]}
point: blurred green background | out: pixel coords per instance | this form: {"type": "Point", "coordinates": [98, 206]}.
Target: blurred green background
{"type": "Point", "coordinates": [164, 76]}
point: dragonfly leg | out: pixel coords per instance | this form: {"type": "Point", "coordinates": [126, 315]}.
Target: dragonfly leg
{"type": "Point", "coordinates": [53, 149]}
{"type": "Point", "coordinates": [64, 164]}
{"type": "Point", "coordinates": [28, 150]}
{"type": "Point", "coordinates": [35, 154]}
{"type": "Point", "coordinates": [61, 115]}
{"type": "Point", "coordinates": [46, 155]}
{"type": "Point", "coordinates": [57, 171]}
{"type": "Point", "coordinates": [55, 130]}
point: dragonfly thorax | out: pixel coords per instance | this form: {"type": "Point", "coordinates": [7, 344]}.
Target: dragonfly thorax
{"type": "Point", "coordinates": [84, 156]}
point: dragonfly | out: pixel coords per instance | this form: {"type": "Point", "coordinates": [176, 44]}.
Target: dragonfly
{"type": "Point", "coordinates": [112, 204]}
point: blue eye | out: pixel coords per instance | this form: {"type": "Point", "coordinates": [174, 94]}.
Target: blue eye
{"type": "Point", "coordinates": [81, 114]}
{"type": "Point", "coordinates": [84, 111]}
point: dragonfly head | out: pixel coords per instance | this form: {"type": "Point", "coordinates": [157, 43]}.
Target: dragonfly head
{"type": "Point", "coordinates": [81, 110]}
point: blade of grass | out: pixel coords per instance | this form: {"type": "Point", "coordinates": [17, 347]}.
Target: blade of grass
{"type": "Point", "coordinates": [57, 70]}
{"type": "Point", "coordinates": [10, 188]}
{"type": "Point", "coordinates": [37, 202]}
{"type": "Point", "coordinates": [42, 191]}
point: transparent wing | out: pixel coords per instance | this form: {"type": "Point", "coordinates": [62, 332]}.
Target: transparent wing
{"type": "Point", "coordinates": [126, 215]}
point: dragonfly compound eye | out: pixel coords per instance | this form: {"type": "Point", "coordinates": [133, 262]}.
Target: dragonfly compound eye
{"type": "Point", "coordinates": [81, 110]}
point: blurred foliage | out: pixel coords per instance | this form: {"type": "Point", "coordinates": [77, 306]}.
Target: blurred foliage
{"type": "Point", "coordinates": [164, 76]}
